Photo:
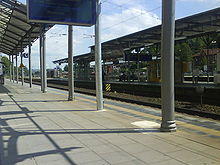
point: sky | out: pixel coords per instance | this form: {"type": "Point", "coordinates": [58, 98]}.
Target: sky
{"type": "Point", "coordinates": [119, 18]}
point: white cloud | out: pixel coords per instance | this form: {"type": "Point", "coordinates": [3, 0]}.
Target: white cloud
{"type": "Point", "coordinates": [129, 21]}
{"type": "Point", "coordinates": [134, 17]}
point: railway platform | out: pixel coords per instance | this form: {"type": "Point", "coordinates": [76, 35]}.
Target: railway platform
{"type": "Point", "coordinates": [45, 129]}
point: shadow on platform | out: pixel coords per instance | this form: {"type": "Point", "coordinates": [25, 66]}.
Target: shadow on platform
{"type": "Point", "coordinates": [3, 89]}
{"type": "Point", "coordinates": [9, 136]}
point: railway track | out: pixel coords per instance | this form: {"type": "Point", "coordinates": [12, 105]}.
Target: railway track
{"type": "Point", "coordinates": [133, 99]}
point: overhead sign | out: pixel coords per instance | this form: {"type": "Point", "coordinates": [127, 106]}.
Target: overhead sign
{"type": "Point", "coordinates": [72, 12]}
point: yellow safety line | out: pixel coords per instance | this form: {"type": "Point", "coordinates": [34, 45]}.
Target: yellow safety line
{"type": "Point", "coordinates": [182, 124]}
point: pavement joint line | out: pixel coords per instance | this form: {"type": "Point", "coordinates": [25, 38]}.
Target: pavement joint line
{"type": "Point", "coordinates": [180, 123]}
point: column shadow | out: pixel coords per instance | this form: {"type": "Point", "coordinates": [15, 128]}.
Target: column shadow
{"type": "Point", "coordinates": [9, 136]}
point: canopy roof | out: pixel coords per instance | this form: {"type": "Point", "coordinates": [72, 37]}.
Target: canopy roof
{"type": "Point", "coordinates": [189, 27]}
{"type": "Point", "coordinates": [185, 28]}
{"type": "Point", "coordinates": [14, 28]}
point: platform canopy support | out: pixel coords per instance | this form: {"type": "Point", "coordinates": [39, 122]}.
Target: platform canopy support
{"type": "Point", "coordinates": [13, 69]}
{"type": "Point", "coordinates": [167, 64]}
{"type": "Point", "coordinates": [22, 68]}
{"type": "Point", "coordinates": [41, 60]}
{"type": "Point", "coordinates": [98, 58]}
{"type": "Point", "coordinates": [29, 58]}
{"type": "Point", "coordinates": [70, 63]}
{"type": "Point", "coordinates": [44, 69]}
{"type": "Point", "coordinates": [17, 68]}
{"type": "Point", "coordinates": [10, 71]}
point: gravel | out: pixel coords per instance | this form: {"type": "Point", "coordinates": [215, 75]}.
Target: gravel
{"type": "Point", "coordinates": [157, 101]}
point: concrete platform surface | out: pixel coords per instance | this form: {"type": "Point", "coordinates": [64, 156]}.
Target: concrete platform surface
{"type": "Point", "coordinates": [46, 129]}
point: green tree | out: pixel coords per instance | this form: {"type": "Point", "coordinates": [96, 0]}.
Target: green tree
{"type": "Point", "coordinates": [25, 70]}
{"type": "Point", "coordinates": [196, 45]}
{"type": "Point", "coordinates": [183, 52]}
{"type": "Point", "coordinates": [153, 50]}
{"type": "Point", "coordinates": [7, 64]}
{"type": "Point", "coordinates": [65, 68]}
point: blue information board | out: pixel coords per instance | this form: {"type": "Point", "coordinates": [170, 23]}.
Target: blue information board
{"type": "Point", "coordinates": [72, 12]}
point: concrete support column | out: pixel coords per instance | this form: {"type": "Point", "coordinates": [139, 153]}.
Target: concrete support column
{"type": "Point", "coordinates": [41, 59]}
{"type": "Point", "coordinates": [10, 71]}
{"type": "Point", "coordinates": [167, 63]}
{"type": "Point", "coordinates": [30, 64]}
{"type": "Point", "coordinates": [44, 69]}
{"type": "Point", "coordinates": [13, 71]}
{"type": "Point", "coordinates": [70, 63]}
{"type": "Point", "coordinates": [98, 56]}
{"type": "Point", "coordinates": [17, 68]}
{"type": "Point", "coordinates": [22, 70]}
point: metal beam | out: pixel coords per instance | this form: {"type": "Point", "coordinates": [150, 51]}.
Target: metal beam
{"type": "Point", "coordinates": [12, 32]}
{"type": "Point", "coordinates": [15, 39]}
{"type": "Point", "coordinates": [9, 41]}
{"type": "Point", "coordinates": [28, 32]}
{"type": "Point", "coordinates": [13, 25]}
{"type": "Point", "coordinates": [5, 46]}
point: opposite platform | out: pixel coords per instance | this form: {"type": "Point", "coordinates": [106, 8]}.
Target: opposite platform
{"type": "Point", "coordinates": [44, 129]}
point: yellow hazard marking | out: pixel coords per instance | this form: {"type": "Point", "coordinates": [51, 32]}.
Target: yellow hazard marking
{"type": "Point", "coordinates": [107, 87]}
{"type": "Point", "coordinates": [180, 123]}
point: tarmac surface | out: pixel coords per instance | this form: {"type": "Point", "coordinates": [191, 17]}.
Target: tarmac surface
{"type": "Point", "coordinates": [45, 129]}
